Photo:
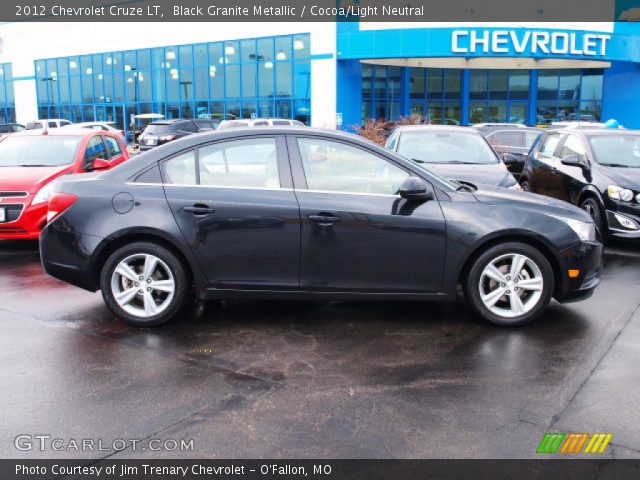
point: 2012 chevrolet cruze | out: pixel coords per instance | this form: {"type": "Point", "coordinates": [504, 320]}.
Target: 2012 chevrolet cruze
{"type": "Point", "coordinates": [293, 213]}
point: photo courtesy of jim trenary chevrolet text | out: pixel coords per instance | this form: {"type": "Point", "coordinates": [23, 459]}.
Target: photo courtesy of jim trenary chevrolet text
{"type": "Point", "coordinates": [326, 239]}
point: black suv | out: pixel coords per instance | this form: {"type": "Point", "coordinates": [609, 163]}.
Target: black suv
{"type": "Point", "coordinates": [163, 131]}
{"type": "Point", "coordinates": [597, 169]}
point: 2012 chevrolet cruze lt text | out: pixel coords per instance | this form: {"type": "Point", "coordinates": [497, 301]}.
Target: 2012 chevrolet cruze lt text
{"type": "Point", "coordinates": [309, 214]}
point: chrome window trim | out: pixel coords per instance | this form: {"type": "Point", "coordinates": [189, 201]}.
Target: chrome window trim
{"type": "Point", "coordinates": [300, 190]}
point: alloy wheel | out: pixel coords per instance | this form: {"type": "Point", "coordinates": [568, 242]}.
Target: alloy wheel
{"type": "Point", "coordinates": [143, 285]}
{"type": "Point", "coordinates": [511, 285]}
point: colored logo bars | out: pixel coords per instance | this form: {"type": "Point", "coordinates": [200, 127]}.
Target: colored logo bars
{"type": "Point", "coordinates": [561, 442]}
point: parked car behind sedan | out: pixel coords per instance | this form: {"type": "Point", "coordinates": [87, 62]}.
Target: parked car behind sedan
{"type": "Point", "coordinates": [102, 126]}
{"type": "Point", "coordinates": [597, 170]}
{"type": "Point", "coordinates": [457, 153]}
{"type": "Point", "coordinates": [10, 128]}
{"type": "Point", "coordinates": [164, 131]}
{"type": "Point", "coordinates": [259, 122]}
{"type": "Point", "coordinates": [297, 213]}
{"type": "Point", "coordinates": [47, 123]}
{"type": "Point", "coordinates": [32, 161]}
{"type": "Point", "coordinates": [513, 146]}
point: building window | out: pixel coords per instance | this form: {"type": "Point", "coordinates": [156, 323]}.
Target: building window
{"type": "Point", "coordinates": [498, 96]}
{"type": "Point", "coordinates": [7, 102]}
{"type": "Point", "coordinates": [434, 94]}
{"type": "Point", "coordinates": [570, 94]}
{"type": "Point", "coordinates": [241, 78]}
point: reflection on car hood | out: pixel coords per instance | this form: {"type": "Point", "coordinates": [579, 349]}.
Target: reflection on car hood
{"type": "Point", "coordinates": [27, 178]}
{"type": "Point", "coordinates": [502, 196]}
{"type": "Point", "coordinates": [625, 177]}
{"type": "Point", "coordinates": [488, 174]}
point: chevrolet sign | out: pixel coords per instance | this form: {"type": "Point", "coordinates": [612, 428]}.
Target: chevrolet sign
{"type": "Point", "coordinates": [529, 42]}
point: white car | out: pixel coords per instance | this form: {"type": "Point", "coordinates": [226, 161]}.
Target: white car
{"type": "Point", "coordinates": [259, 122]}
{"type": "Point", "coordinates": [107, 126]}
{"type": "Point", "coordinates": [48, 123]}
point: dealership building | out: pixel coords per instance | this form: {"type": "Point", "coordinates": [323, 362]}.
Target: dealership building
{"type": "Point", "coordinates": [327, 74]}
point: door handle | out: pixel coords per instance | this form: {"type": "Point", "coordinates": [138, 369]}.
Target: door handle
{"type": "Point", "coordinates": [324, 220]}
{"type": "Point", "coordinates": [199, 209]}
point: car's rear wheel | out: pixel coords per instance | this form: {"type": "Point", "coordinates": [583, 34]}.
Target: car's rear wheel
{"type": "Point", "coordinates": [510, 284]}
{"type": "Point", "coordinates": [526, 186]}
{"type": "Point", "coordinates": [592, 207]}
{"type": "Point", "coordinates": [144, 284]}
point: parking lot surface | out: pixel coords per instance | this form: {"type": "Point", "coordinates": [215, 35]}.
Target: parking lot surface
{"type": "Point", "coordinates": [316, 380]}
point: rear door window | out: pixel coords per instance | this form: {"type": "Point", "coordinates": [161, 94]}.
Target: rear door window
{"type": "Point", "coordinates": [181, 170]}
{"type": "Point", "coordinates": [113, 147]}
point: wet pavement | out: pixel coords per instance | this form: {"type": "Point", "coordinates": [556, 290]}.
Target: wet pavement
{"type": "Point", "coordinates": [316, 380]}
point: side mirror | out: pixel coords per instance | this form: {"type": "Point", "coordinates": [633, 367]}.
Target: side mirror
{"type": "Point", "coordinates": [99, 164]}
{"type": "Point", "coordinates": [575, 161]}
{"type": "Point", "coordinates": [414, 188]}
{"type": "Point", "coordinates": [510, 159]}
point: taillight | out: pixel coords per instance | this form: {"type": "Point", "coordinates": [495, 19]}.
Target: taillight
{"type": "Point", "coordinates": [167, 138]}
{"type": "Point", "coordinates": [122, 133]}
{"type": "Point", "coordinates": [58, 203]}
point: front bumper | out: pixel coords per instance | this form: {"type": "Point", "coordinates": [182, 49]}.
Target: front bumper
{"type": "Point", "coordinates": [630, 211]}
{"type": "Point", "coordinates": [25, 223]}
{"type": "Point", "coordinates": [586, 258]}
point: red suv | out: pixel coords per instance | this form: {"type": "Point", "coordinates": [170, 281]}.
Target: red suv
{"type": "Point", "coordinates": [30, 163]}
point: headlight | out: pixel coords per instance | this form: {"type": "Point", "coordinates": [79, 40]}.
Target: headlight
{"type": "Point", "coordinates": [515, 186]}
{"type": "Point", "coordinates": [619, 193]}
{"type": "Point", "coordinates": [45, 193]}
{"type": "Point", "coordinates": [586, 231]}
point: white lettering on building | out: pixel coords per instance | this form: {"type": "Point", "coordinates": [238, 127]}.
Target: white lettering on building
{"type": "Point", "coordinates": [534, 42]}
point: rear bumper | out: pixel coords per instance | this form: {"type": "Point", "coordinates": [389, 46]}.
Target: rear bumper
{"type": "Point", "coordinates": [29, 224]}
{"type": "Point", "coordinates": [587, 259]}
{"type": "Point", "coordinates": [68, 256]}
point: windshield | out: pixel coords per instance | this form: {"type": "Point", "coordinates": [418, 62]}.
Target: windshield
{"type": "Point", "coordinates": [616, 150]}
{"type": "Point", "coordinates": [446, 147]}
{"type": "Point", "coordinates": [44, 151]}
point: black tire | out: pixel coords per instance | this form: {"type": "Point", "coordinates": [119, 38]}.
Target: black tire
{"type": "Point", "coordinates": [472, 284]}
{"type": "Point", "coordinates": [593, 208]}
{"type": "Point", "coordinates": [526, 186]}
{"type": "Point", "coordinates": [177, 269]}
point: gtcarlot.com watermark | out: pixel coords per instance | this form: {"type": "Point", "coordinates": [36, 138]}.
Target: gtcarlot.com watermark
{"type": "Point", "coordinates": [48, 443]}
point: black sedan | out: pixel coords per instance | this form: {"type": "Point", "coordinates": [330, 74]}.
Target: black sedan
{"type": "Point", "coordinates": [457, 153]}
{"type": "Point", "coordinates": [288, 213]}
{"type": "Point", "coordinates": [596, 169]}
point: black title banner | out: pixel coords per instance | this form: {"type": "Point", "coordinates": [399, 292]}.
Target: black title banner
{"type": "Point", "coordinates": [320, 469]}
{"type": "Point", "coordinates": [318, 10]}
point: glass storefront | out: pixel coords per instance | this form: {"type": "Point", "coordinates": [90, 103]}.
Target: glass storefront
{"type": "Point", "coordinates": [260, 77]}
{"type": "Point", "coordinates": [569, 95]}
{"type": "Point", "coordinates": [493, 95]}
{"type": "Point", "coordinates": [7, 102]}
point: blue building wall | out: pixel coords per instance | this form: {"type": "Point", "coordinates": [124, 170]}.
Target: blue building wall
{"type": "Point", "coordinates": [621, 82]}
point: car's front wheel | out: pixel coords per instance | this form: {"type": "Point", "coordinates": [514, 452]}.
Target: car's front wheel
{"type": "Point", "coordinates": [510, 284]}
{"type": "Point", "coordinates": [526, 186]}
{"type": "Point", "coordinates": [144, 284]}
{"type": "Point", "coordinates": [592, 207]}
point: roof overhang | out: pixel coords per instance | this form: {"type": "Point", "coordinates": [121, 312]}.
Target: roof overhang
{"type": "Point", "coordinates": [512, 63]}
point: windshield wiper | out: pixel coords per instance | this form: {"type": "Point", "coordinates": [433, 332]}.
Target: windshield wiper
{"type": "Point", "coordinates": [418, 160]}
{"type": "Point", "coordinates": [618, 165]}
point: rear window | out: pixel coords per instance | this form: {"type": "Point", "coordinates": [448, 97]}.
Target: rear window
{"type": "Point", "coordinates": [33, 126]}
{"type": "Point", "coordinates": [159, 128]}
